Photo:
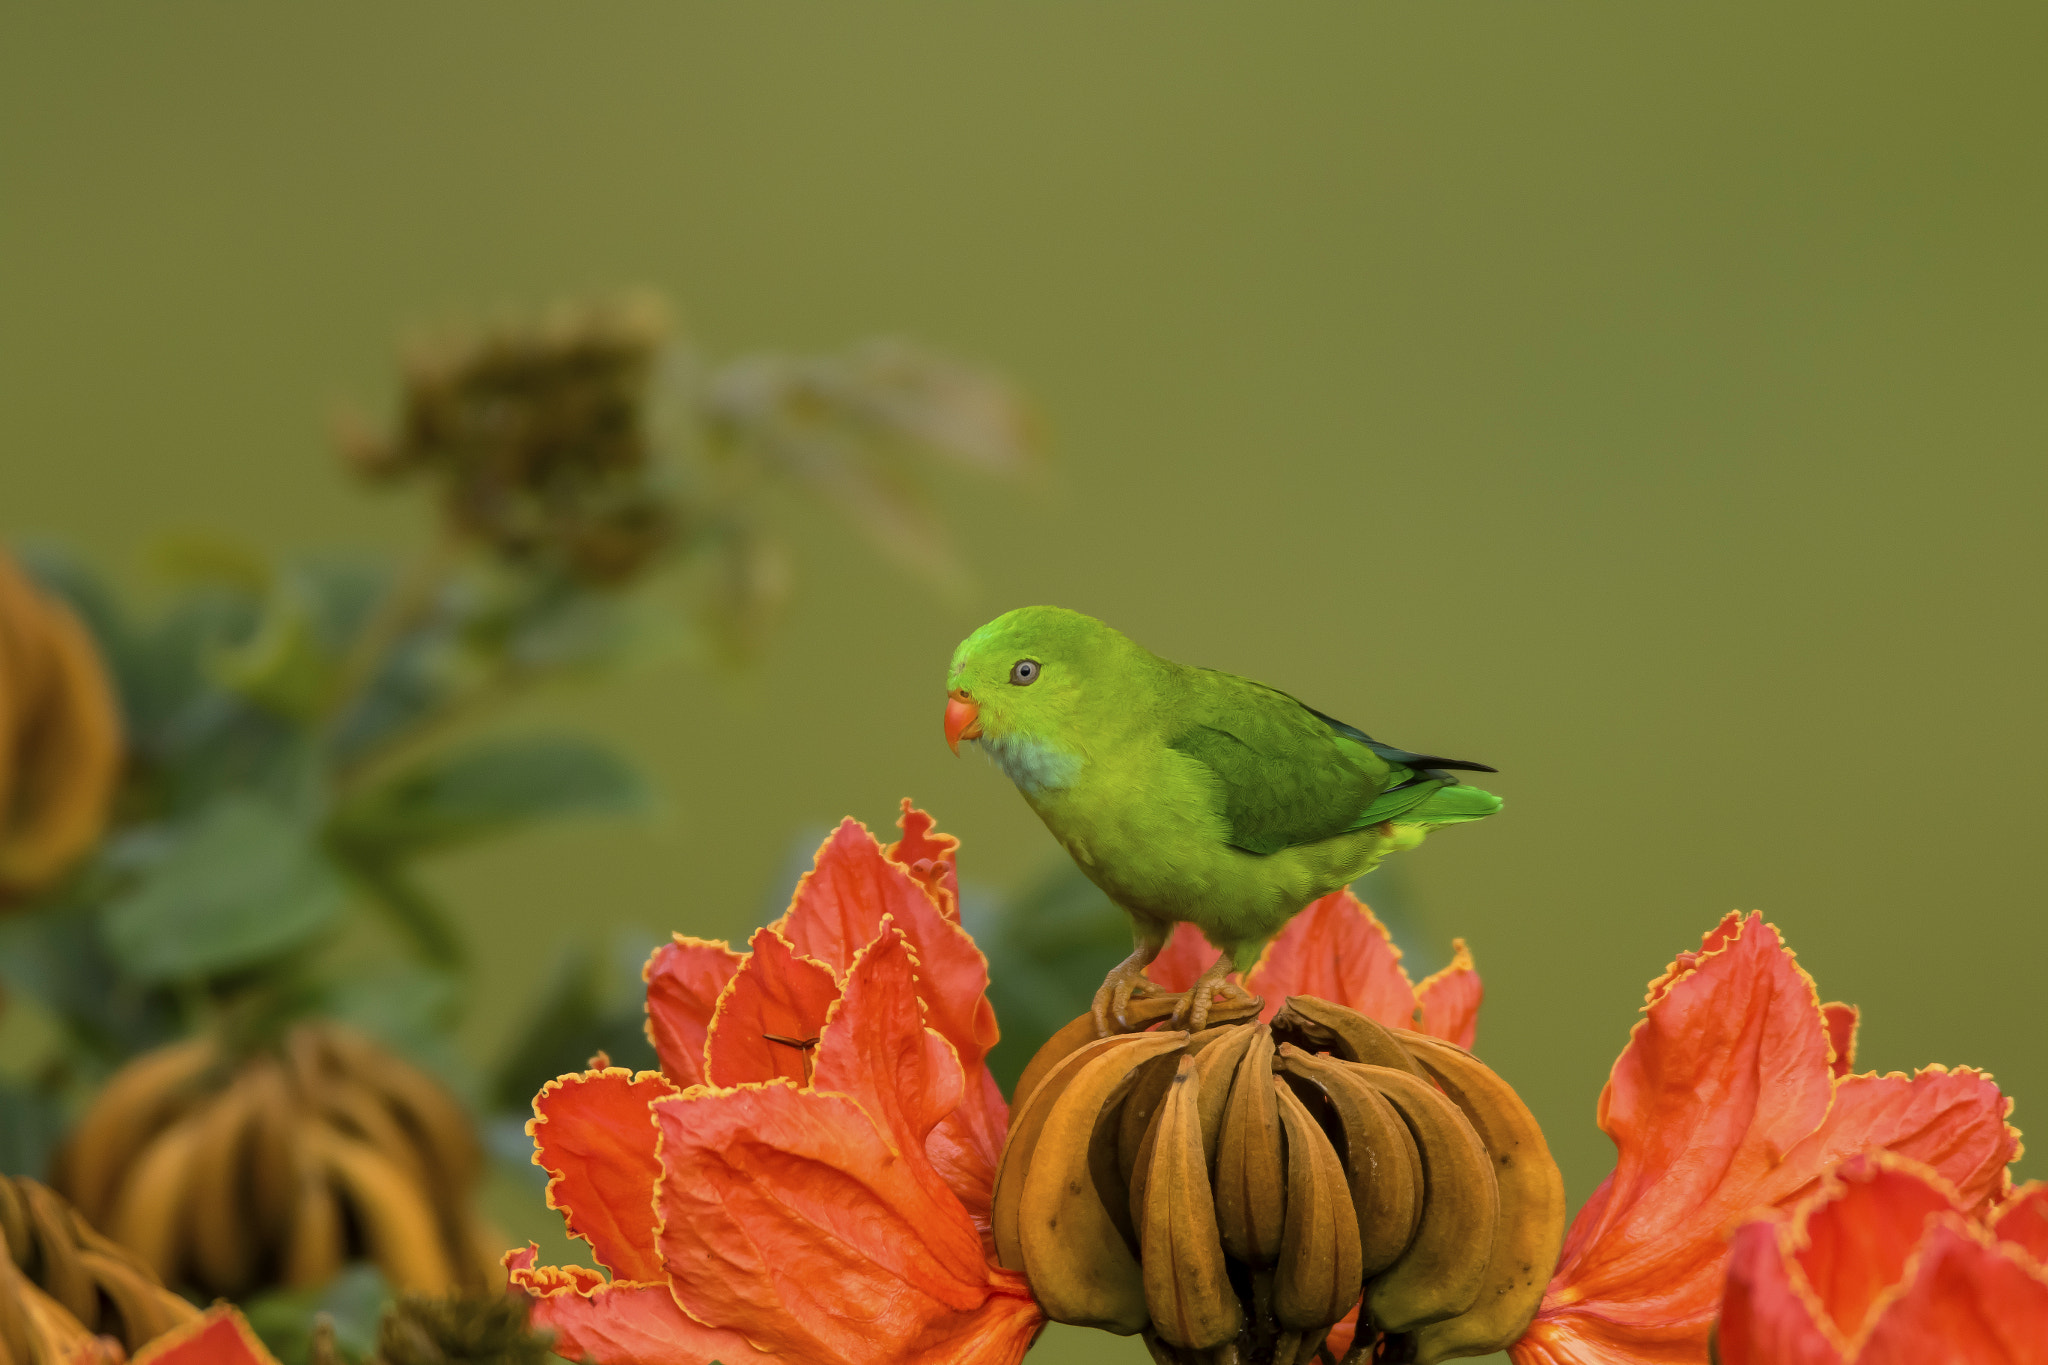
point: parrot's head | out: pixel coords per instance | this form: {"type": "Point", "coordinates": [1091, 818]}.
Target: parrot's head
{"type": "Point", "coordinates": [1031, 680]}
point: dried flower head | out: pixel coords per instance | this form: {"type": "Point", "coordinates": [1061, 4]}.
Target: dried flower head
{"type": "Point", "coordinates": [538, 436]}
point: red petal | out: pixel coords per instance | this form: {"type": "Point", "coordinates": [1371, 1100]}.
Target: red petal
{"type": "Point", "coordinates": [1722, 1101]}
{"type": "Point", "coordinates": [1969, 1302]}
{"type": "Point", "coordinates": [1344, 1333]}
{"type": "Point", "coordinates": [838, 911]}
{"type": "Point", "coordinates": [1860, 1231]}
{"type": "Point", "coordinates": [1447, 1002]}
{"type": "Point", "coordinates": [684, 980]}
{"type": "Point", "coordinates": [620, 1322]}
{"type": "Point", "coordinates": [787, 1216]}
{"type": "Point", "coordinates": [1841, 1021]}
{"type": "Point", "coordinates": [1337, 950]}
{"type": "Point", "coordinates": [1186, 956]}
{"type": "Point", "coordinates": [1769, 1315]}
{"type": "Point", "coordinates": [776, 994]}
{"type": "Point", "coordinates": [968, 1144]}
{"type": "Point", "coordinates": [2023, 1220]}
{"type": "Point", "coordinates": [929, 858]}
{"type": "Point", "coordinates": [877, 1051]}
{"type": "Point", "coordinates": [220, 1337]}
{"type": "Point", "coordinates": [593, 1135]}
{"type": "Point", "coordinates": [1953, 1121]}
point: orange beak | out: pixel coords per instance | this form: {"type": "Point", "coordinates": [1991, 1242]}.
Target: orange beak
{"type": "Point", "coordinates": [963, 720]}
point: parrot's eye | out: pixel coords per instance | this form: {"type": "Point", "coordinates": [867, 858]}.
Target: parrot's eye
{"type": "Point", "coordinates": [1024, 672]}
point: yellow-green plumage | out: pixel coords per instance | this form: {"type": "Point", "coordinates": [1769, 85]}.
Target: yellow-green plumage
{"type": "Point", "coordinates": [1190, 794]}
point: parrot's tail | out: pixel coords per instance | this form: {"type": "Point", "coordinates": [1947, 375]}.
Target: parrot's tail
{"type": "Point", "coordinates": [1453, 805]}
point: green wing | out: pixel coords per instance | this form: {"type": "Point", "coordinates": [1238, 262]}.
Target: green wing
{"type": "Point", "coordinates": [1291, 775]}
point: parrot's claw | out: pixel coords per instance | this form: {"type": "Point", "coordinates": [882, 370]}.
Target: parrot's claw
{"type": "Point", "coordinates": [1192, 1013]}
{"type": "Point", "coordinates": [1112, 1002]}
{"type": "Point", "coordinates": [1203, 999]}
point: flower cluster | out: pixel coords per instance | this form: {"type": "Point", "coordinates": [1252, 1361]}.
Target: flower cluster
{"type": "Point", "coordinates": [1735, 1092]}
{"type": "Point", "coordinates": [808, 1176]}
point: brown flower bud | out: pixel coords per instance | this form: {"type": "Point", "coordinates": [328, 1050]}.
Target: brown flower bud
{"type": "Point", "coordinates": [1236, 1193]}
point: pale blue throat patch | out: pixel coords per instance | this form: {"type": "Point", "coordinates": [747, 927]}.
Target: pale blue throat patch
{"type": "Point", "coordinates": [1032, 764]}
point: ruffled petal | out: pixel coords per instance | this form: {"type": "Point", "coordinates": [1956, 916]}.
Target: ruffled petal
{"type": "Point", "coordinates": [1769, 1315]}
{"type": "Point", "coordinates": [788, 1213]}
{"type": "Point", "coordinates": [876, 1050]}
{"type": "Point", "coordinates": [1841, 1020]}
{"type": "Point", "coordinates": [684, 980]}
{"type": "Point", "coordinates": [1853, 1240]}
{"type": "Point", "coordinates": [220, 1337]}
{"type": "Point", "coordinates": [1338, 950]}
{"type": "Point", "coordinates": [770, 1015]}
{"type": "Point", "coordinates": [838, 910]}
{"type": "Point", "coordinates": [592, 1133]}
{"type": "Point", "coordinates": [1970, 1301]}
{"type": "Point", "coordinates": [2023, 1221]}
{"type": "Point", "coordinates": [1447, 1002]}
{"type": "Point", "coordinates": [1724, 1100]}
{"type": "Point", "coordinates": [620, 1322]}
{"type": "Point", "coordinates": [1953, 1121]}
{"type": "Point", "coordinates": [929, 857]}
{"type": "Point", "coordinates": [1186, 956]}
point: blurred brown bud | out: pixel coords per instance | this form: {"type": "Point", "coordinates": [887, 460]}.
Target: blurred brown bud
{"type": "Point", "coordinates": [226, 1174]}
{"type": "Point", "coordinates": [537, 435]}
{"type": "Point", "coordinates": [60, 738]}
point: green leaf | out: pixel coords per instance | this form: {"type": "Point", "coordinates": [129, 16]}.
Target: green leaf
{"type": "Point", "coordinates": [245, 882]}
{"type": "Point", "coordinates": [412, 911]}
{"type": "Point", "coordinates": [485, 789]}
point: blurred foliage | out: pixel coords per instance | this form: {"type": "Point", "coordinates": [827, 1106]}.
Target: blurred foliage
{"type": "Point", "coordinates": [302, 736]}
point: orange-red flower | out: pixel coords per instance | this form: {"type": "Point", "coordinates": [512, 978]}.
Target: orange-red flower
{"type": "Point", "coordinates": [1885, 1263]}
{"type": "Point", "coordinates": [807, 1178]}
{"type": "Point", "coordinates": [1338, 950]}
{"type": "Point", "coordinates": [1734, 1093]}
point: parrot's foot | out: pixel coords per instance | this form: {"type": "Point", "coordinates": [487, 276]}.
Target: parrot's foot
{"type": "Point", "coordinates": [1125, 981]}
{"type": "Point", "coordinates": [1209, 990]}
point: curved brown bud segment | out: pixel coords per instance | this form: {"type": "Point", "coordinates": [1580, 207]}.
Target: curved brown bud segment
{"type": "Point", "coordinates": [1383, 1170]}
{"type": "Point", "coordinates": [1251, 1190]}
{"type": "Point", "coordinates": [1319, 1026]}
{"type": "Point", "coordinates": [1080, 1269]}
{"type": "Point", "coordinates": [1441, 1271]}
{"type": "Point", "coordinates": [1187, 1285]}
{"type": "Point", "coordinates": [1320, 1270]}
{"type": "Point", "coordinates": [1531, 1226]}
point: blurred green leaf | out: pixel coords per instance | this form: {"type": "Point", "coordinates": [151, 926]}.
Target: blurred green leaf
{"type": "Point", "coordinates": [244, 882]}
{"type": "Point", "coordinates": [590, 1005]}
{"type": "Point", "coordinates": [411, 909]}
{"type": "Point", "coordinates": [287, 665]}
{"type": "Point", "coordinates": [486, 788]}
{"type": "Point", "coordinates": [31, 1121]}
{"type": "Point", "coordinates": [355, 1300]}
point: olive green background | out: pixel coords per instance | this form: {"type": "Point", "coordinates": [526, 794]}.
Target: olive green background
{"type": "Point", "coordinates": [1647, 400]}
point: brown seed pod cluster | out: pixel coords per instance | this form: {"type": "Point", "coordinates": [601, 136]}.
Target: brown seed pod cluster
{"type": "Point", "coordinates": [1234, 1193]}
{"type": "Point", "coordinates": [60, 738]}
{"type": "Point", "coordinates": [63, 1285]}
{"type": "Point", "coordinates": [277, 1168]}
{"type": "Point", "coordinates": [537, 436]}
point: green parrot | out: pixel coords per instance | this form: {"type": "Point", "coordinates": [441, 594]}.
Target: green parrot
{"type": "Point", "coordinates": [1185, 793]}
